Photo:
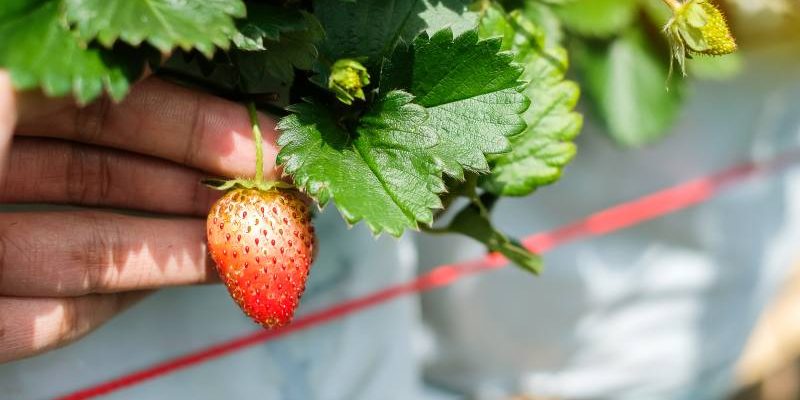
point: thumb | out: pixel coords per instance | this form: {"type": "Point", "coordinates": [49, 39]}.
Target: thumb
{"type": "Point", "coordinates": [8, 118]}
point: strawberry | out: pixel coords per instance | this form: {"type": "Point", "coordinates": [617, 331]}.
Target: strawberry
{"type": "Point", "coordinates": [706, 31]}
{"type": "Point", "coordinates": [263, 244]}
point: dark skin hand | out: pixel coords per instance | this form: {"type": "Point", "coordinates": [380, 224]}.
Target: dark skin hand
{"type": "Point", "coordinates": [64, 273]}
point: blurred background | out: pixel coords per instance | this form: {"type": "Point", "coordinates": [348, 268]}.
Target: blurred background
{"type": "Point", "coordinates": [701, 304]}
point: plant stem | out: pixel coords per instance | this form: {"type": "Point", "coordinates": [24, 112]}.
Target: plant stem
{"type": "Point", "coordinates": [673, 4]}
{"type": "Point", "coordinates": [251, 108]}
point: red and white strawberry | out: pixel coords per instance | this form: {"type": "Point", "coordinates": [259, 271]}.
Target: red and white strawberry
{"type": "Point", "coordinates": [263, 244]}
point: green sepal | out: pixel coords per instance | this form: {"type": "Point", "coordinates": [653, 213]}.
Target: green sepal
{"type": "Point", "coordinates": [243, 183]}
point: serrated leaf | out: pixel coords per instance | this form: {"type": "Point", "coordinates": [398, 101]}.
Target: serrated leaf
{"type": "Point", "coordinates": [626, 79]}
{"type": "Point", "coordinates": [371, 28]}
{"type": "Point", "coordinates": [448, 70]}
{"type": "Point", "coordinates": [471, 93]}
{"type": "Point", "coordinates": [367, 28]}
{"type": "Point", "coordinates": [218, 73]}
{"type": "Point", "coordinates": [380, 173]}
{"type": "Point", "coordinates": [468, 101]}
{"type": "Point", "coordinates": [165, 24]}
{"type": "Point", "coordinates": [267, 22]}
{"type": "Point", "coordinates": [41, 52]}
{"type": "Point", "coordinates": [539, 154]}
{"type": "Point", "coordinates": [453, 14]}
{"type": "Point", "coordinates": [256, 71]}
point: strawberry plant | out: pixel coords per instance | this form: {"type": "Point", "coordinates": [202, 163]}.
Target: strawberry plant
{"type": "Point", "coordinates": [390, 110]}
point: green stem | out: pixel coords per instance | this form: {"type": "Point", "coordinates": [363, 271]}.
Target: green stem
{"type": "Point", "coordinates": [251, 108]}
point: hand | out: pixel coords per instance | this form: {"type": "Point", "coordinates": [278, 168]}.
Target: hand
{"type": "Point", "coordinates": [63, 273]}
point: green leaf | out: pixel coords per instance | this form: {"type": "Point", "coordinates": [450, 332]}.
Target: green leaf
{"type": "Point", "coordinates": [216, 75]}
{"type": "Point", "coordinates": [467, 103]}
{"type": "Point", "coordinates": [453, 14]}
{"type": "Point", "coordinates": [398, 70]}
{"type": "Point", "coordinates": [472, 221]}
{"type": "Point", "coordinates": [18, 8]}
{"type": "Point", "coordinates": [539, 154]}
{"type": "Point", "coordinates": [293, 49]}
{"type": "Point", "coordinates": [367, 28]}
{"type": "Point", "coordinates": [626, 80]}
{"type": "Point", "coordinates": [448, 70]}
{"type": "Point", "coordinates": [41, 52]}
{"type": "Point", "coordinates": [379, 172]}
{"type": "Point", "coordinates": [370, 29]}
{"type": "Point", "coordinates": [165, 24]}
{"type": "Point", "coordinates": [266, 21]}
{"type": "Point", "coordinates": [255, 71]}
{"type": "Point", "coordinates": [471, 92]}
{"type": "Point", "coordinates": [597, 17]}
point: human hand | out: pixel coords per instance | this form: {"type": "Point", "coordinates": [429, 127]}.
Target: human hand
{"type": "Point", "coordinates": [64, 273]}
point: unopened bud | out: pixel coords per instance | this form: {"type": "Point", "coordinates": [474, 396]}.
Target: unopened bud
{"type": "Point", "coordinates": [347, 80]}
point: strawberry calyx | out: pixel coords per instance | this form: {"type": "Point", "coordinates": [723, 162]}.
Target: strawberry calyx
{"type": "Point", "coordinates": [245, 183]}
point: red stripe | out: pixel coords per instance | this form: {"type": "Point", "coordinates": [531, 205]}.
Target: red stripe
{"type": "Point", "coordinates": [606, 221]}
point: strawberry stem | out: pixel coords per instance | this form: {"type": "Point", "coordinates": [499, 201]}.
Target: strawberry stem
{"type": "Point", "coordinates": [251, 108]}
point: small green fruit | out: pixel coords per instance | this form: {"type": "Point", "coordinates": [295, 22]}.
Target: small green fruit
{"type": "Point", "coordinates": [698, 27]}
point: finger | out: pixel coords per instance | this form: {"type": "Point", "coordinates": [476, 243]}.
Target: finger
{"type": "Point", "coordinates": [57, 171]}
{"type": "Point", "coordinates": [32, 326]}
{"type": "Point", "coordinates": [8, 115]}
{"type": "Point", "coordinates": [163, 120]}
{"type": "Point", "coordinates": [55, 254]}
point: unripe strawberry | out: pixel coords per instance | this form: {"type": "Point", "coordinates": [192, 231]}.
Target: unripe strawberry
{"type": "Point", "coordinates": [698, 27]}
{"type": "Point", "coordinates": [263, 245]}
{"type": "Point", "coordinates": [710, 21]}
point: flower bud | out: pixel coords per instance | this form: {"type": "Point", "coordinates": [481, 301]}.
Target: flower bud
{"type": "Point", "coordinates": [347, 80]}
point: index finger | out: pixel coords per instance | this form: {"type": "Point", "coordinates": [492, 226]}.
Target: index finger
{"type": "Point", "coordinates": [8, 116]}
{"type": "Point", "coordinates": [164, 120]}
